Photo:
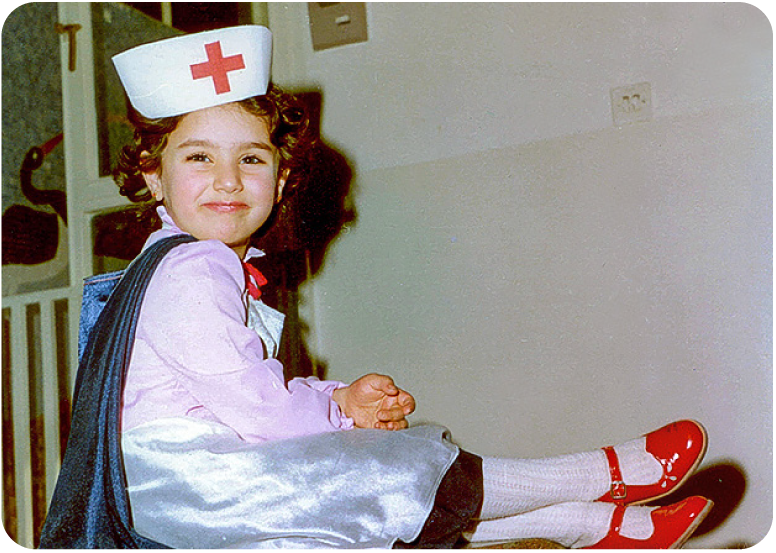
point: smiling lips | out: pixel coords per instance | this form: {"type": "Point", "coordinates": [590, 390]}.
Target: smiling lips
{"type": "Point", "coordinates": [226, 207]}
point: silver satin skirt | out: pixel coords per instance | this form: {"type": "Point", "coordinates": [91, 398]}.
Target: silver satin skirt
{"type": "Point", "coordinates": [195, 484]}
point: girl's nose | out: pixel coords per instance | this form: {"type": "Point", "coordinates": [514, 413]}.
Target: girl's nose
{"type": "Point", "coordinates": [227, 179]}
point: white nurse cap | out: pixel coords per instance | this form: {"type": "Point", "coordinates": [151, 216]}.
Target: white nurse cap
{"type": "Point", "coordinates": [190, 72]}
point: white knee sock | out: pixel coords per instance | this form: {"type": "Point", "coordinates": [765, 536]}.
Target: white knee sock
{"type": "Point", "coordinates": [514, 486]}
{"type": "Point", "coordinates": [578, 524]}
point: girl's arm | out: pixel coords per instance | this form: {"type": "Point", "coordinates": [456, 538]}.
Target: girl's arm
{"type": "Point", "coordinates": [194, 314]}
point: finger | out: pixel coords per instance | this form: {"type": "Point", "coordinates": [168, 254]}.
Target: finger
{"type": "Point", "coordinates": [394, 425]}
{"type": "Point", "coordinates": [407, 402]}
{"type": "Point", "coordinates": [393, 413]}
{"type": "Point", "coordinates": [384, 384]}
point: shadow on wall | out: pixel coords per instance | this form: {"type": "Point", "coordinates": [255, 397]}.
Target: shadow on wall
{"type": "Point", "coordinates": [725, 484]}
{"type": "Point", "coordinates": [297, 237]}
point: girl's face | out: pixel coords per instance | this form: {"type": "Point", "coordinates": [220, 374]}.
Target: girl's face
{"type": "Point", "coordinates": [219, 177]}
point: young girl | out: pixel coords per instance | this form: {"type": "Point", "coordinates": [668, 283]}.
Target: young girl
{"type": "Point", "coordinates": [218, 450]}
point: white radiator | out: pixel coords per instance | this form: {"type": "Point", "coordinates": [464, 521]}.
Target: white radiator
{"type": "Point", "coordinates": [40, 342]}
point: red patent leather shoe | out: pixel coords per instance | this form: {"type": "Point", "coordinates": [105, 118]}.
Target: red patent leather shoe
{"type": "Point", "coordinates": [679, 448]}
{"type": "Point", "coordinates": [674, 524]}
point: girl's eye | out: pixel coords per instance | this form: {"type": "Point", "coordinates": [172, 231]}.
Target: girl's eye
{"type": "Point", "coordinates": [252, 160]}
{"type": "Point", "coordinates": [198, 157]}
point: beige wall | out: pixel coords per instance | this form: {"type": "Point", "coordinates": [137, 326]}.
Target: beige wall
{"type": "Point", "coordinates": [542, 280]}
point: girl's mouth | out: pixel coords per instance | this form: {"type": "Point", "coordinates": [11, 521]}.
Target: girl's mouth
{"type": "Point", "coordinates": [225, 207]}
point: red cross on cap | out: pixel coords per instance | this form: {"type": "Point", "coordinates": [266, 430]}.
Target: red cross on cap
{"type": "Point", "coordinates": [217, 67]}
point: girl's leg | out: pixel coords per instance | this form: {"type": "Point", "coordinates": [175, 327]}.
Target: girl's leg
{"type": "Point", "coordinates": [514, 486]}
{"type": "Point", "coordinates": [633, 472]}
{"type": "Point", "coordinates": [569, 524]}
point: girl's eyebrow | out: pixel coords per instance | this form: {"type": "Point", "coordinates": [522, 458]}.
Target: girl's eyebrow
{"type": "Point", "coordinates": [203, 143]}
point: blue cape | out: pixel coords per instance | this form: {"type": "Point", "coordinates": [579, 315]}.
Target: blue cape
{"type": "Point", "coordinates": [90, 505]}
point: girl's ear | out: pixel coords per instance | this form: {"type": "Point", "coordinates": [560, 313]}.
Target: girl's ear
{"type": "Point", "coordinates": [153, 181]}
{"type": "Point", "coordinates": [282, 178]}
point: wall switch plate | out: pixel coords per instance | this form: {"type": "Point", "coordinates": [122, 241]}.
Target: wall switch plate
{"type": "Point", "coordinates": [337, 23]}
{"type": "Point", "coordinates": [631, 104]}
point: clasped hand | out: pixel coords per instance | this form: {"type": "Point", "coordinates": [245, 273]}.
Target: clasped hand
{"type": "Point", "coordinates": [374, 401]}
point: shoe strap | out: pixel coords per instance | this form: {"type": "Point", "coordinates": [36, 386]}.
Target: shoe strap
{"type": "Point", "coordinates": [618, 490]}
{"type": "Point", "coordinates": [617, 517]}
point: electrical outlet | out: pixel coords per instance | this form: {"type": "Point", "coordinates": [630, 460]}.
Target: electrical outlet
{"type": "Point", "coordinates": [631, 104]}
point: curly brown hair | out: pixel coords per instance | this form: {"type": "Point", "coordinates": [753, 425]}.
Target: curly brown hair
{"type": "Point", "coordinates": [289, 129]}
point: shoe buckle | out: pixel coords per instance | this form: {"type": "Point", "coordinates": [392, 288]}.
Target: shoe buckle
{"type": "Point", "coordinates": [618, 490]}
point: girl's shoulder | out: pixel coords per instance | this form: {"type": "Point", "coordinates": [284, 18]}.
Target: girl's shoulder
{"type": "Point", "coordinates": [200, 282]}
{"type": "Point", "coordinates": [203, 259]}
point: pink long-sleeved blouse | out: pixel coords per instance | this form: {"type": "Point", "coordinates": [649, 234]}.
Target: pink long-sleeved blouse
{"type": "Point", "coordinates": [194, 355]}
